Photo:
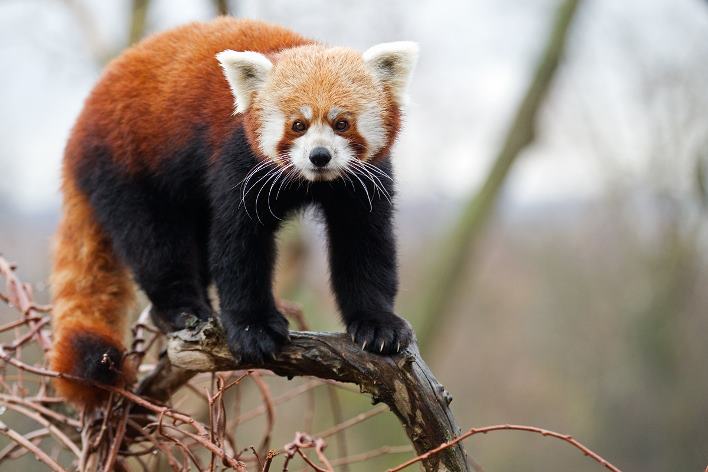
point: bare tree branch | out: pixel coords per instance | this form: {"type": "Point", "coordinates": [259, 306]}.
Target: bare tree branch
{"type": "Point", "coordinates": [222, 7]}
{"type": "Point", "coordinates": [444, 277]}
{"type": "Point", "coordinates": [138, 22]}
{"type": "Point", "coordinates": [403, 382]}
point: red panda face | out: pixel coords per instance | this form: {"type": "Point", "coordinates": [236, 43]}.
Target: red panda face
{"type": "Point", "coordinates": [318, 110]}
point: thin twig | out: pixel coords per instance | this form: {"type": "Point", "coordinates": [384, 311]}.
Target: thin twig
{"type": "Point", "coordinates": [17, 343]}
{"type": "Point", "coordinates": [34, 404]}
{"type": "Point", "coordinates": [27, 444]}
{"type": "Point", "coordinates": [268, 460]}
{"type": "Point", "coordinates": [305, 441]}
{"type": "Point", "coordinates": [16, 323]}
{"type": "Point", "coordinates": [60, 436]}
{"type": "Point", "coordinates": [19, 296]}
{"type": "Point", "coordinates": [270, 410]}
{"type": "Point", "coordinates": [117, 440]}
{"type": "Point", "coordinates": [336, 407]}
{"type": "Point", "coordinates": [289, 395]}
{"type": "Point", "coordinates": [9, 450]}
{"type": "Point", "coordinates": [510, 427]}
{"type": "Point", "coordinates": [361, 417]}
{"type": "Point", "coordinates": [368, 455]}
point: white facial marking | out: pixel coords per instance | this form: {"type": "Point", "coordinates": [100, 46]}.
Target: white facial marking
{"type": "Point", "coordinates": [321, 135]}
{"type": "Point", "coordinates": [333, 112]}
{"type": "Point", "coordinates": [306, 112]}
{"type": "Point", "coordinates": [272, 125]}
{"type": "Point", "coordinates": [370, 126]}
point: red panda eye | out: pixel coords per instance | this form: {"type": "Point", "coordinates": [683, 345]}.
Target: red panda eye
{"type": "Point", "coordinates": [341, 125]}
{"type": "Point", "coordinates": [299, 126]}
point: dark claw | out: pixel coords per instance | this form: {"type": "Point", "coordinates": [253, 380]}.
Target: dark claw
{"type": "Point", "coordinates": [380, 333]}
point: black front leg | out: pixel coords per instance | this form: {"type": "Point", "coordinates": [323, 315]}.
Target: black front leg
{"type": "Point", "coordinates": [242, 255]}
{"type": "Point", "coordinates": [364, 271]}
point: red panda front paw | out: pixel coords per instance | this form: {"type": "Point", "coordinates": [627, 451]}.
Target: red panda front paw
{"type": "Point", "coordinates": [381, 333]}
{"type": "Point", "coordinates": [254, 339]}
{"type": "Point", "coordinates": [176, 319]}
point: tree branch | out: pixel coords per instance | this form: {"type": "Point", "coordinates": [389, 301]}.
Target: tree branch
{"type": "Point", "coordinates": [445, 275]}
{"type": "Point", "coordinates": [403, 382]}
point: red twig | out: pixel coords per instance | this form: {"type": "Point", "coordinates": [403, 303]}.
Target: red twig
{"type": "Point", "coordinates": [27, 444]}
{"type": "Point", "coordinates": [365, 456]}
{"type": "Point", "coordinates": [289, 395]}
{"type": "Point", "coordinates": [202, 432]}
{"type": "Point", "coordinates": [305, 441]}
{"type": "Point", "coordinates": [117, 440]}
{"type": "Point", "coordinates": [56, 432]}
{"type": "Point", "coordinates": [269, 460]}
{"type": "Point", "coordinates": [270, 410]}
{"type": "Point", "coordinates": [20, 296]}
{"type": "Point", "coordinates": [361, 417]}
{"type": "Point", "coordinates": [510, 427]}
{"type": "Point", "coordinates": [230, 461]}
{"type": "Point", "coordinates": [35, 405]}
{"type": "Point", "coordinates": [10, 449]}
{"type": "Point", "coordinates": [186, 453]}
{"type": "Point", "coordinates": [16, 323]}
{"type": "Point", "coordinates": [29, 334]}
{"type": "Point", "coordinates": [337, 417]}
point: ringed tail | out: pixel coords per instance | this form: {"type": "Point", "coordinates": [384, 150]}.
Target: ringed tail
{"type": "Point", "coordinates": [92, 293]}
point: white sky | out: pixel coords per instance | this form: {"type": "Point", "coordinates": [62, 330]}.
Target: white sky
{"type": "Point", "coordinates": [476, 57]}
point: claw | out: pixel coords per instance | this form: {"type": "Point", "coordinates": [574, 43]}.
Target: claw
{"type": "Point", "coordinates": [398, 349]}
{"type": "Point", "coordinates": [363, 346]}
{"type": "Point", "coordinates": [382, 346]}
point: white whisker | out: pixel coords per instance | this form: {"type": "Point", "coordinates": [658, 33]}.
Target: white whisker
{"type": "Point", "coordinates": [377, 170]}
{"type": "Point", "coordinates": [371, 207]}
{"type": "Point", "coordinates": [269, 173]}
{"type": "Point", "coordinates": [287, 179]}
{"type": "Point", "coordinates": [245, 181]}
{"type": "Point", "coordinates": [251, 172]}
{"type": "Point", "coordinates": [378, 186]}
{"type": "Point", "coordinates": [273, 174]}
{"type": "Point", "coordinates": [344, 175]}
{"type": "Point", "coordinates": [270, 191]}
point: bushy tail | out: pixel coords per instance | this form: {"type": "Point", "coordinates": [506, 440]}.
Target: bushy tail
{"type": "Point", "coordinates": [92, 293]}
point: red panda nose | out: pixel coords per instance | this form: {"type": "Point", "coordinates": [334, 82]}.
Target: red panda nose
{"type": "Point", "coordinates": [320, 156]}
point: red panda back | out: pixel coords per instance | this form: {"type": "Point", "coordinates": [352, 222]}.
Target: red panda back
{"type": "Point", "coordinates": [153, 96]}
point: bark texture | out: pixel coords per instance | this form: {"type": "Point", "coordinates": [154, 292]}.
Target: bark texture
{"type": "Point", "coordinates": [403, 382]}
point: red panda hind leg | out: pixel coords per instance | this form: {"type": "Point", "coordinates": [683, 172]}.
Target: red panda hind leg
{"type": "Point", "coordinates": [92, 293]}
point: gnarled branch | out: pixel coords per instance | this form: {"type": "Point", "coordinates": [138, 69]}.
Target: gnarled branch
{"type": "Point", "coordinates": [403, 382]}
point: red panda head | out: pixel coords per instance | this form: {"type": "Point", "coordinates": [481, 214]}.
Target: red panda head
{"type": "Point", "coordinates": [317, 109]}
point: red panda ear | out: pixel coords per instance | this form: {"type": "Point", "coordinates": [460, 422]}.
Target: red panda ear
{"type": "Point", "coordinates": [246, 73]}
{"type": "Point", "coordinates": [393, 64]}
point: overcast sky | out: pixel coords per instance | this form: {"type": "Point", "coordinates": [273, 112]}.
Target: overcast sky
{"type": "Point", "coordinates": [476, 56]}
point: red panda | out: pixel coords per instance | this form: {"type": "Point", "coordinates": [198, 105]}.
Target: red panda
{"type": "Point", "coordinates": [187, 156]}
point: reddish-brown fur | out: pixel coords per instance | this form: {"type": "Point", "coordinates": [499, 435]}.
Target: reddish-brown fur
{"type": "Point", "coordinates": [146, 98]}
{"type": "Point", "coordinates": [155, 93]}
{"type": "Point", "coordinates": [323, 78]}
{"type": "Point", "coordinates": [92, 292]}
{"type": "Point", "coordinates": [145, 105]}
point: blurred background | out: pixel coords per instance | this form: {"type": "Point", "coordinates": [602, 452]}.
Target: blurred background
{"type": "Point", "coordinates": [553, 255]}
